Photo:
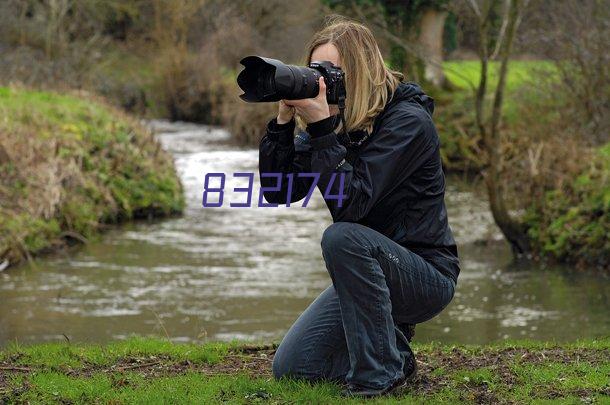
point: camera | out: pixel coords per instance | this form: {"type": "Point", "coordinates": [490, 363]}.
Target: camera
{"type": "Point", "coordinates": [266, 80]}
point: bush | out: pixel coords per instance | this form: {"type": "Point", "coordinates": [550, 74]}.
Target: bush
{"type": "Point", "coordinates": [572, 224]}
{"type": "Point", "coordinates": [69, 163]}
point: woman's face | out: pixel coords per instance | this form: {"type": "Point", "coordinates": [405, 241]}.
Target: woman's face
{"type": "Point", "coordinates": [327, 52]}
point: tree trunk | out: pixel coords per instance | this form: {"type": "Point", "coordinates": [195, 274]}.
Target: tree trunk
{"type": "Point", "coordinates": [431, 43]}
{"type": "Point", "coordinates": [513, 229]}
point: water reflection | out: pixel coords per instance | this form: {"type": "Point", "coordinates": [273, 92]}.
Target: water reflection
{"type": "Point", "coordinates": [222, 273]}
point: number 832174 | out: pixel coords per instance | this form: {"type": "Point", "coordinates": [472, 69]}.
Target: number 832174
{"type": "Point", "coordinates": [213, 195]}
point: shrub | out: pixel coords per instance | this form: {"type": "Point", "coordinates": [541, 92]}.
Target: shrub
{"type": "Point", "coordinates": [572, 223]}
{"type": "Point", "coordinates": [69, 163]}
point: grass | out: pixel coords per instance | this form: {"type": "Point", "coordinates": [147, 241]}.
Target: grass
{"type": "Point", "coordinates": [465, 74]}
{"type": "Point", "coordinates": [149, 370]}
{"type": "Point", "coordinates": [70, 163]}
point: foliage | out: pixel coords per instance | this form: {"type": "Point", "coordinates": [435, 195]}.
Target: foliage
{"type": "Point", "coordinates": [401, 22]}
{"type": "Point", "coordinates": [70, 163]}
{"type": "Point", "coordinates": [454, 113]}
{"type": "Point", "coordinates": [573, 223]}
{"type": "Point", "coordinates": [160, 58]}
{"type": "Point", "coordinates": [405, 12]}
{"type": "Point", "coordinates": [563, 193]}
{"type": "Point", "coordinates": [450, 40]}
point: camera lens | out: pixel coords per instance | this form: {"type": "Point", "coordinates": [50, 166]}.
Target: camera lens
{"type": "Point", "coordinates": [265, 79]}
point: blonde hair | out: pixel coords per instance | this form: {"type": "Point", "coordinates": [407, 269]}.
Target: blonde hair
{"type": "Point", "coordinates": [369, 82]}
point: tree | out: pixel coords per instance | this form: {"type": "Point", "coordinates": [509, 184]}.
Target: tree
{"type": "Point", "coordinates": [414, 29]}
{"type": "Point", "coordinates": [430, 40]}
{"type": "Point", "coordinates": [489, 128]}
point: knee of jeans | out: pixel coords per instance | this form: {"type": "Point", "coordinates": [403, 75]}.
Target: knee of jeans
{"type": "Point", "coordinates": [278, 367]}
{"type": "Point", "coordinates": [337, 235]}
{"type": "Point", "coordinates": [287, 364]}
{"type": "Point", "coordinates": [283, 362]}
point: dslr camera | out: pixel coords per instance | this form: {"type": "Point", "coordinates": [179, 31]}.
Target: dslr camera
{"type": "Point", "coordinates": [265, 80]}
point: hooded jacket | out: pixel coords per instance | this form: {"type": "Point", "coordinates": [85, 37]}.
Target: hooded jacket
{"type": "Point", "coordinates": [393, 182]}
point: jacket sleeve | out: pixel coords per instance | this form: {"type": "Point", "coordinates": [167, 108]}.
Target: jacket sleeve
{"type": "Point", "coordinates": [405, 140]}
{"type": "Point", "coordinates": [277, 154]}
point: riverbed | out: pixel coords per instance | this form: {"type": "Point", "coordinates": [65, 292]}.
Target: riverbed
{"type": "Point", "coordinates": [219, 273]}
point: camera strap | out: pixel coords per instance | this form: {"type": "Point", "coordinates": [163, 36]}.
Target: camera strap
{"type": "Point", "coordinates": [341, 105]}
{"type": "Point", "coordinates": [346, 137]}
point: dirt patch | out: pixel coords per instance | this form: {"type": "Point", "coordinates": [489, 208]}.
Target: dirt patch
{"type": "Point", "coordinates": [253, 362]}
{"type": "Point", "coordinates": [500, 362]}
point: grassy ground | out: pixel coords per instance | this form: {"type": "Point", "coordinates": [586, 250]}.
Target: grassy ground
{"type": "Point", "coordinates": [70, 163]}
{"type": "Point", "coordinates": [467, 73]}
{"type": "Point", "coordinates": [145, 370]}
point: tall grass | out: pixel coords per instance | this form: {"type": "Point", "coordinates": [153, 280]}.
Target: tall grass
{"type": "Point", "coordinates": [70, 163]}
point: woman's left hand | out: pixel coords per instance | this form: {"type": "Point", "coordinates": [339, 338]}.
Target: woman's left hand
{"type": "Point", "coordinates": [312, 109]}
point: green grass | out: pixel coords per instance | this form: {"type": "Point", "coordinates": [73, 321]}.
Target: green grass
{"type": "Point", "coordinates": [57, 355]}
{"type": "Point", "coordinates": [149, 370]}
{"type": "Point", "coordinates": [70, 162]}
{"type": "Point", "coordinates": [466, 74]}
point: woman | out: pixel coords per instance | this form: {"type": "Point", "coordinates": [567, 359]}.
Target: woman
{"type": "Point", "coordinates": [390, 252]}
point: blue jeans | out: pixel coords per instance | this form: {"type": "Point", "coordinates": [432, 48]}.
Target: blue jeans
{"type": "Point", "coordinates": [354, 331]}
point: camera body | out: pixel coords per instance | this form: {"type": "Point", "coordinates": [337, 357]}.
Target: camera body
{"type": "Point", "coordinates": [267, 80]}
{"type": "Point", "coordinates": [334, 77]}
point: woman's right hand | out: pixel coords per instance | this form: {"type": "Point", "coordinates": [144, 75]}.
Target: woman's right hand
{"type": "Point", "coordinates": [285, 114]}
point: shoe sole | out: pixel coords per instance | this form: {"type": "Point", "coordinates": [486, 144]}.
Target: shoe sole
{"type": "Point", "coordinates": [393, 390]}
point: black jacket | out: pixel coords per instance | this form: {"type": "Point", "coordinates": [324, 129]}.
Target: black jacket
{"type": "Point", "coordinates": [394, 181]}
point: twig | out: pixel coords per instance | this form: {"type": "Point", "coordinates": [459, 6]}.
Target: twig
{"type": "Point", "coordinates": [500, 39]}
{"type": "Point", "coordinates": [475, 8]}
{"type": "Point", "coordinates": [161, 324]}
{"type": "Point", "coordinates": [15, 368]}
{"type": "Point", "coordinates": [4, 265]}
{"type": "Point", "coordinates": [74, 235]}
{"type": "Point", "coordinates": [138, 366]}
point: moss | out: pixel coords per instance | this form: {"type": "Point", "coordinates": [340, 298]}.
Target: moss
{"type": "Point", "coordinates": [573, 223]}
{"type": "Point", "coordinates": [69, 163]}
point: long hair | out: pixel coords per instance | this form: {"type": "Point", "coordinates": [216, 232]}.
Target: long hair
{"type": "Point", "coordinates": [369, 82]}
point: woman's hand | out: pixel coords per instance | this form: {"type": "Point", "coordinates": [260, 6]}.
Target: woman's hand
{"type": "Point", "coordinates": [312, 109]}
{"type": "Point", "coordinates": [285, 114]}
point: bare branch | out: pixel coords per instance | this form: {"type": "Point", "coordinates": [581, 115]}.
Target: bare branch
{"type": "Point", "coordinates": [500, 39]}
{"type": "Point", "coordinates": [475, 8]}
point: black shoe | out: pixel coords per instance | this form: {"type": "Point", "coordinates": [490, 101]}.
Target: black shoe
{"type": "Point", "coordinates": [408, 329]}
{"type": "Point", "coordinates": [410, 373]}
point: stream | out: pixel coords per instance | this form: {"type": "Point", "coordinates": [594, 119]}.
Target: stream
{"type": "Point", "coordinates": [247, 273]}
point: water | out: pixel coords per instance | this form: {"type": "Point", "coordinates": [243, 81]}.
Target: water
{"type": "Point", "coordinates": [223, 273]}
